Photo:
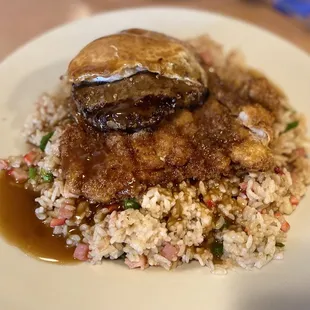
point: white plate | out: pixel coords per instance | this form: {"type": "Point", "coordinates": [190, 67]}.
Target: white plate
{"type": "Point", "coordinates": [27, 284]}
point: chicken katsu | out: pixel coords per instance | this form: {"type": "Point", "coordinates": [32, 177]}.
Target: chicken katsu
{"type": "Point", "coordinates": [202, 144]}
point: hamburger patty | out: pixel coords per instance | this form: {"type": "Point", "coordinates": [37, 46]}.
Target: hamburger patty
{"type": "Point", "coordinates": [136, 102]}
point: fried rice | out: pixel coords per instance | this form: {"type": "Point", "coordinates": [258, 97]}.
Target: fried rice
{"type": "Point", "coordinates": [237, 221]}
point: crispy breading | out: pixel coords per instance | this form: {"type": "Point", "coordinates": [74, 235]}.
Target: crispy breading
{"type": "Point", "coordinates": [203, 144]}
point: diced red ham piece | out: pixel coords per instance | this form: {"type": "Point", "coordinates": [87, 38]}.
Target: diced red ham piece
{"type": "Point", "coordinates": [294, 200]}
{"type": "Point", "coordinates": [285, 226]}
{"type": "Point", "coordinates": [4, 165]}
{"type": "Point", "coordinates": [65, 213]}
{"type": "Point", "coordinates": [18, 174]}
{"type": "Point", "coordinates": [112, 207]}
{"type": "Point", "coordinates": [210, 204]}
{"type": "Point", "coordinates": [142, 263]}
{"type": "Point", "coordinates": [31, 158]}
{"type": "Point", "coordinates": [81, 252]}
{"type": "Point", "coordinates": [57, 222]}
{"type": "Point", "coordinates": [278, 215]}
{"type": "Point", "coordinates": [170, 252]}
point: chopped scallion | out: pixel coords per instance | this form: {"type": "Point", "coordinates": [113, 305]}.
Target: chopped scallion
{"type": "Point", "coordinates": [291, 126]}
{"type": "Point", "coordinates": [44, 140]}
{"type": "Point", "coordinates": [131, 204]}
{"type": "Point", "coordinates": [46, 176]}
{"type": "Point", "coordinates": [32, 173]}
{"type": "Point", "coordinates": [217, 249]}
{"type": "Point", "coordinates": [225, 225]}
{"type": "Point", "coordinates": [280, 245]}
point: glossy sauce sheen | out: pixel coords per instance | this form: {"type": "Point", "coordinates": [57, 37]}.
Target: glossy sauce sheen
{"type": "Point", "coordinates": [20, 227]}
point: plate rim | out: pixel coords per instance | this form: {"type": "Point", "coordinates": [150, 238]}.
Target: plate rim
{"type": "Point", "coordinates": [74, 23]}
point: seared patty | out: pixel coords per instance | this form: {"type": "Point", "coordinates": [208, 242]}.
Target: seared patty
{"type": "Point", "coordinates": [139, 101]}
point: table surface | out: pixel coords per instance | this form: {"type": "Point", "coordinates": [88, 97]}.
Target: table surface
{"type": "Point", "coordinates": [21, 20]}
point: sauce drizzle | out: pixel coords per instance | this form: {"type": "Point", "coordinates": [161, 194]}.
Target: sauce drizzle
{"type": "Point", "coordinates": [20, 227]}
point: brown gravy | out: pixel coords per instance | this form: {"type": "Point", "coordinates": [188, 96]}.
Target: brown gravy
{"type": "Point", "coordinates": [20, 227]}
